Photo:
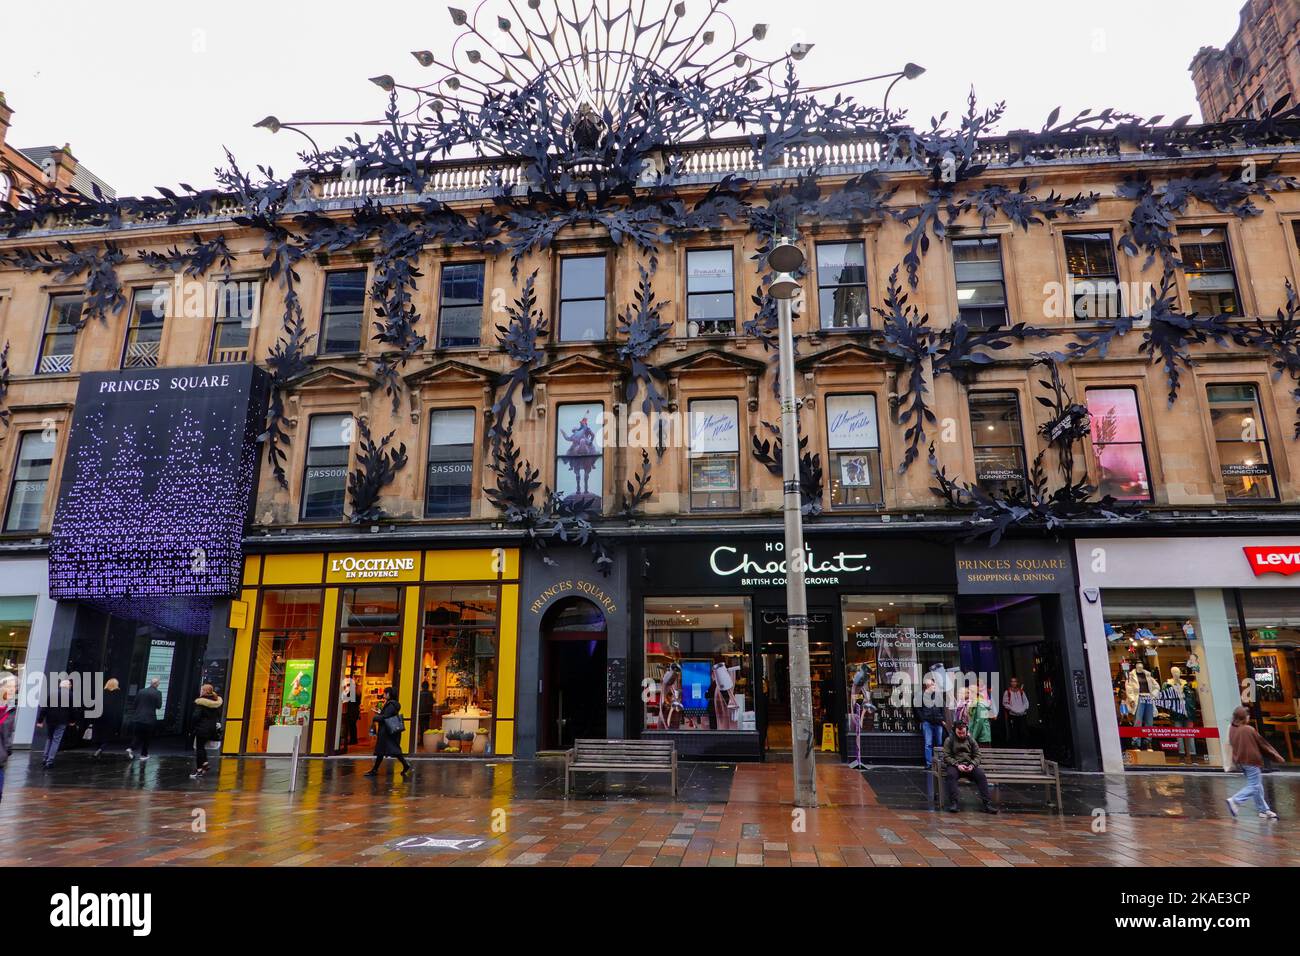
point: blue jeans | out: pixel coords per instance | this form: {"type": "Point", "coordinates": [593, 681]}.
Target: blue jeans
{"type": "Point", "coordinates": [1254, 788]}
{"type": "Point", "coordinates": [54, 737]}
{"type": "Point", "coordinates": [933, 738]}
{"type": "Point", "coordinates": [2, 780]}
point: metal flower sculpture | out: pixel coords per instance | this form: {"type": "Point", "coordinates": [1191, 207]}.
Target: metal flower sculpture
{"type": "Point", "coordinates": [768, 453]}
{"type": "Point", "coordinates": [520, 339]}
{"type": "Point", "coordinates": [644, 330]}
{"type": "Point", "coordinates": [377, 466]}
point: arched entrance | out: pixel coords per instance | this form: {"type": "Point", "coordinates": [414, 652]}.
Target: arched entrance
{"type": "Point", "coordinates": [573, 673]}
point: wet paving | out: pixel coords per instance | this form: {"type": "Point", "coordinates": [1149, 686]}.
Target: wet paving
{"type": "Point", "coordinates": [112, 812]}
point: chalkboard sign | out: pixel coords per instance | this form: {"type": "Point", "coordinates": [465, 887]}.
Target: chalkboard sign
{"type": "Point", "coordinates": [616, 682]}
{"type": "Point", "coordinates": [1080, 689]}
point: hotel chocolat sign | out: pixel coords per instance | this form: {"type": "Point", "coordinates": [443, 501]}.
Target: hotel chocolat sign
{"type": "Point", "coordinates": [157, 483]}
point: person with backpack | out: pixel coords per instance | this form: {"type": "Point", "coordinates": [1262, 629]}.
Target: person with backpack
{"type": "Point", "coordinates": [1248, 749]}
{"type": "Point", "coordinates": [145, 718]}
{"type": "Point", "coordinates": [8, 721]}
{"type": "Point", "coordinates": [389, 725]}
{"type": "Point", "coordinates": [206, 721]}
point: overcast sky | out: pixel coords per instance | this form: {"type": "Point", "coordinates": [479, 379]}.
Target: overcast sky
{"type": "Point", "coordinates": [149, 91]}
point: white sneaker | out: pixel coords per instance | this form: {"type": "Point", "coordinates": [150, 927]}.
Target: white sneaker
{"type": "Point", "coordinates": [1267, 815]}
{"type": "Point", "coordinates": [144, 758]}
{"type": "Point", "coordinates": [1232, 806]}
{"type": "Point", "coordinates": [130, 754]}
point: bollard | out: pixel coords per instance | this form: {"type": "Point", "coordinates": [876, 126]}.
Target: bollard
{"type": "Point", "coordinates": [293, 767]}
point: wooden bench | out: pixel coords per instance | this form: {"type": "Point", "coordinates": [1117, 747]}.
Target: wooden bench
{"type": "Point", "coordinates": [621, 756]}
{"type": "Point", "coordinates": [1006, 765]}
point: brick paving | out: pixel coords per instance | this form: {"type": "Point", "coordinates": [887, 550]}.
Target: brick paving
{"type": "Point", "coordinates": [112, 813]}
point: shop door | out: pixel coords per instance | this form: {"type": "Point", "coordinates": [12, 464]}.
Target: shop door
{"type": "Point", "coordinates": [368, 649]}
{"type": "Point", "coordinates": [774, 677]}
{"type": "Point", "coordinates": [573, 682]}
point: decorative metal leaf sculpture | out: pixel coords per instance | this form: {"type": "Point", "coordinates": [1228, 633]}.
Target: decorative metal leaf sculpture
{"type": "Point", "coordinates": [377, 466]}
{"type": "Point", "coordinates": [644, 330]}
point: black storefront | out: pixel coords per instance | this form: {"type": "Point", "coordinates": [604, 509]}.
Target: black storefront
{"type": "Point", "coordinates": [707, 660]}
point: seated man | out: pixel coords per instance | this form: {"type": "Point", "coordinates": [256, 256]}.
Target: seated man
{"type": "Point", "coordinates": [961, 758]}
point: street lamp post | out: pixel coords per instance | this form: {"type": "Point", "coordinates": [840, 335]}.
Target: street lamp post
{"type": "Point", "coordinates": [787, 258]}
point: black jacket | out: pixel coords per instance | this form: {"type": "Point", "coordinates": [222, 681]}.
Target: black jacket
{"type": "Point", "coordinates": [147, 704]}
{"type": "Point", "coordinates": [206, 718]}
{"type": "Point", "coordinates": [53, 717]}
{"type": "Point", "coordinates": [8, 722]}
{"type": "Point", "coordinates": [387, 744]}
{"type": "Point", "coordinates": [930, 715]}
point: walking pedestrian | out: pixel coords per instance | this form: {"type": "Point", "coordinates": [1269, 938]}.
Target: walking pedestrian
{"type": "Point", "coordinates": [961, 758]}
{"type": "Point", "coordinates": [56, 716]}
{"type": "Point", "coordinates": [1248, 749]}
{"type": "Point", "coordinates": [8, 720]}
{"type": "Point", "coordinates": [206, 721]}
{"type": "Point", "coordinates": [388, 734]}
{"type": "Point", "coordinates": [931, 715]}
{"type": "Point", "coordinates": [1015, 705]}
{"type": "Point", "coordinates": [145, 718]}
{"type": "Point", "coordinates": [97, 727]}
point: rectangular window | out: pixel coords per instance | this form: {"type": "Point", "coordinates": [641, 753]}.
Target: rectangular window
{"type": "Point", "coordinates": [144, 328]}
{"type": "Point", "coordinates": [343, 313]}
{"type": "Point", "coordinates": [699, 662]}
{"type": "Point", "coordinates": [896, 642]}
{"type": "Point", "coordinates": [457, 700]}
{"type": "Point", "coordinates": [324, 481]}
{"type": "Point", "coordinates": [450, 486]}
{"type": "Point", "coordinates": [1117, 441]}
{"type": "Point", "coordinates": [237, 303]}
{"type": "Point", "coordinates": [579, 458]}
{"type": "Point", "coordinates": [710, 292]}
{"type": "Point", "coordinates": [981, 288]}
{"type": "Point", "coordinates": [842, 285]}
{"type": "Point", "coordinates": [999, 442]}
{"type": "Point", "coordinates": [60, 338]}
{"type": "Point", "coordinates": [1094, 277]}
{"type": "Point", "coordinates": [1241, 442]}
{"type": "Point", "coordinates": [715, 455]}
{"type": "Point", "coordinates": [284, 670]}
{"type": "Point", "coordinates": [460, 305]}
{"type": "Point", "coordinates": [1207, 264]}
{"type": "Point", "coordinates": [582, 298]}
{"type": "Point", "coordinates": [853, 440]}
{"type": "Point", "coordinates": [31, 477]}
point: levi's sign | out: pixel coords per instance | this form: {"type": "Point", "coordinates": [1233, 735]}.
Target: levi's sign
{"type": "Point", "coordinates": [1274, 559]}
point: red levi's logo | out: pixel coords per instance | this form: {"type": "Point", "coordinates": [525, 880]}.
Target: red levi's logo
{"type": "Point", "coordinates": [1275, 559]}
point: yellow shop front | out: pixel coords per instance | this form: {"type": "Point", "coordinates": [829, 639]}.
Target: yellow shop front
{"type": "Point", "coordinates": [320, 636]}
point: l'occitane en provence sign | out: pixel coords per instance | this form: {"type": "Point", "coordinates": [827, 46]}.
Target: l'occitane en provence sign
{"type": "Point", "coordinates": [373, 566]}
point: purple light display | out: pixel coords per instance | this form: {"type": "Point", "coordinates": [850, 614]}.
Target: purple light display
{"type": "Point", "coordinates": [157, 485]}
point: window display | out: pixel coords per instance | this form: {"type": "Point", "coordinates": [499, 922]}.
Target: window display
{"type": "Point", "coordinates": [579, 461]}
{"type": "Point", "coordinates": [853, 440]}
{"type": "Point", "coordinates": [284, 685]}
{"type": "Point", "coordinates": [456, 697]}
{"type": "Point", "coordinates": [1270, 681]}
{"type": "Point", "coordinates": [15, 631]}
{"type": "Point", "coordinates": [1117, 442]}
{"type": "Point", "coordinates": [1166, 713]}
{"type": "Point", "coordinates": [715, 454]}
{"type": "Point", "coordinates": [698, 665]}
{"type": "Point", "coordinates": [999, 442]}
{"type": "Point", "coordinates": [369, 637]}
{"type": "Point", "coordinates": [1245, 464]}
{"type": "Point", "coordinates": [892, 644]}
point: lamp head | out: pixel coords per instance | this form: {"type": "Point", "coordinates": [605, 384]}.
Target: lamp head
{"type": "Point", "coordinates": [912, 70]}
{"type": "Point", "coordinates": [784, 286]}
{"type": "Point", "coordinates": [785, 256]}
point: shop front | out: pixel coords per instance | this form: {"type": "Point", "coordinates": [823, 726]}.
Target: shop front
{"type": "Point", "coordinates": [26, 616]}
{"type": "Point", "coordinates": [1180, 631]}
{"type": "Point", "coordinates": [890, 620]}
{"type": "Point", "coordinates": [320, 637]}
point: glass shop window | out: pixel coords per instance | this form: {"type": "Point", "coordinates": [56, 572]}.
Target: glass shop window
{"type": "Point", "coordinates": [842, 285]}
{"type": "Point", "coordinates": [30, 481]}
{"type": "Point", "coordinates": [582, 298]}
{"type": "Point", "coordinates": [1094, 277]}
{"type": "Point", "coordinates": [460, 305]}
{"type": "Point", "coordinates": [1117, 442]}
{"type": "Point", "coordinates": [1207, 264]}
{"type": "Point", "coordinates": [981, 287]}
{"type": "Point", "coordinates": [325, 479]}
{"type": "Point", "coordinates": [236, 315]}
{"type": "Point", "coordinates": [699, 664]}
{"type": "Point", "coordinates": [579, 460]}
{"type": "Point", "coordinates": [343, 314]}
{"type": "Point", "coordinates": [457, 696]}
{"type": "Point", "coordinates": [60, 337]}
{"type": "Point", "coordinates": [1269, 675]}
{"type": "Point", "coordinates": [284, 669]}
{"type": "Point", "coordinates": [715, 454]}
{"type": "Point", "coordinates": [1241, 441]}
{"type": "Point", "coordinates": [144, 328]}
{"type": "Point", "coordinates": [999, 443]}
{"type": "Point", "coordinates": [450, 490]}
{"type": "Point", "coordinates": [853, 440]}
{"type": "Point", "coordinates": [710, 292]}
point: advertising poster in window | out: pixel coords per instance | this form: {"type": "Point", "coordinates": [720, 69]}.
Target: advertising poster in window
{"type": "Point", "coordinates": [715, 474]}
{"type": "Point", "coordinates": [579, 473]}
{"type": "Point", "coordinates": [714, 427]}
{"type": "Point", "coordinates": [855, 472]}
{"type": "Point", "coordinates": [299, 678]}
{"type": "Point", "coordinates": [851, 422]}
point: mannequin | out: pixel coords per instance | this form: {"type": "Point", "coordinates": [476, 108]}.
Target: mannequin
{"type": "Point", "coordinates": [351, 706]}
{"type": "Point", "coordinates": [1173, 701]}
{"type": "Point", "coordinates": [670, 697]}
{"type": "Point", "coordinates": [861, 706]}
{"type": "Point", "coordinates": [1142, 690]}
{"type": "Point", "coordinates": [725, 708]}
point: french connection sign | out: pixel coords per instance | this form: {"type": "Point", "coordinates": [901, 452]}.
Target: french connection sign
{"type": "Point", "coordinates": [158, 481]}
